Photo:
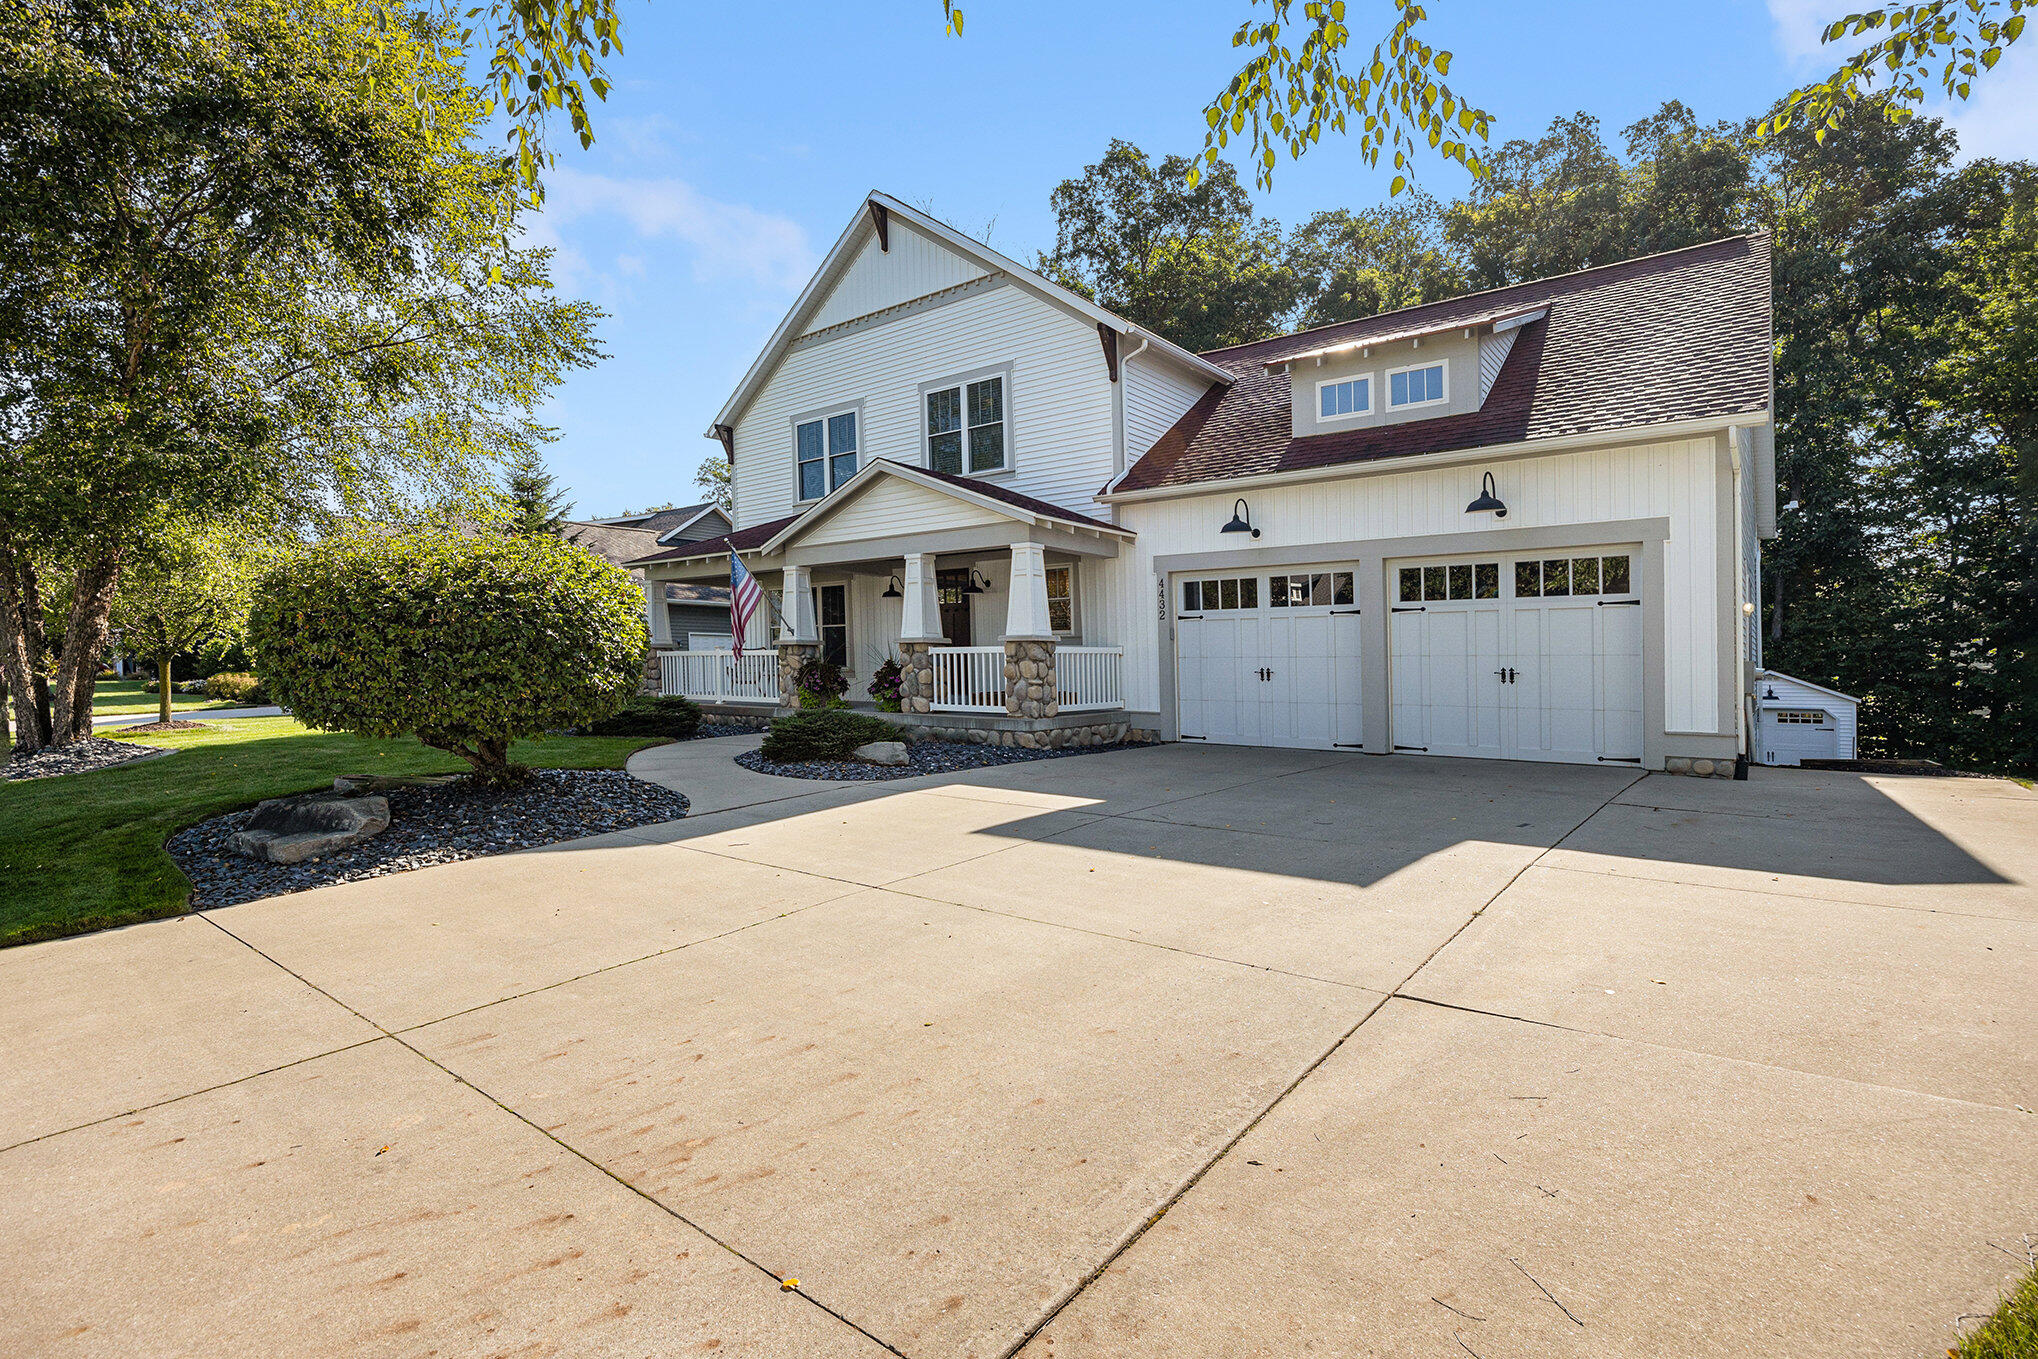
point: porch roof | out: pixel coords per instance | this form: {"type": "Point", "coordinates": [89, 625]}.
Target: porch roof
{"type": "Point", "coordinates": [971, 492]}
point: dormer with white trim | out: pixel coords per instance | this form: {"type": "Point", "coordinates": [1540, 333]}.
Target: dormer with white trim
{"type": "Point", "coordinates": [1417, 374]}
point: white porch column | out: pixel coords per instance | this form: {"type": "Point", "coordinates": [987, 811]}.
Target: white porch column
{"type": "Point", "coordinates": [1026, 617]}
{"type": "Point", "coordinates": [920, 610]}
{"type": "Point", "coordinates": [797, 607]}
{"type": "Point", "coordinates": [655, 615]}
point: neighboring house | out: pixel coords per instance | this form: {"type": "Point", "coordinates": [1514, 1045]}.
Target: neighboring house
{"type": "Point", "coordinates": [1522, 524]}
{"type": "Point", "coordinates": [690, 612]}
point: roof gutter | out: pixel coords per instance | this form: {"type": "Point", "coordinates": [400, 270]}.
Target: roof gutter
{"type": "Point", "coordinates": [1674, 429]}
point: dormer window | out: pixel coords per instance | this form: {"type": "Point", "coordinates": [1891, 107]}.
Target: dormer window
{"type": "Point", "coordinates": [1341, 397]}
{"type": "Point", "coordinates": [1421, 385]}
{"type": "Point", "coordinates": [827, 452]}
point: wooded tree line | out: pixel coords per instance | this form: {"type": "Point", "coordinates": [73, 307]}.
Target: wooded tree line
{"type": "Point", "coordinates": [1906, 296]}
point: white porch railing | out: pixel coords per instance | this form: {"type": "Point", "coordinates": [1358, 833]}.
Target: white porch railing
{"type": "Point", "coordinates": [968, 679]}
{"type": "Point", "coordinates": [1087, 677]}
{"type": "Point", "coordinates": [719, 675]}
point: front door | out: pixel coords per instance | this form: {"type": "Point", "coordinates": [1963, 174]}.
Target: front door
{"type": "Point", "coordinates": [954, 588]}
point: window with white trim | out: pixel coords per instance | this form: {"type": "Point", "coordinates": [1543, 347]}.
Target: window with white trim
{"type": "Point", "coordinates": [1340, 397]}
{"type": "Point", "coordinates": [1061, 598]}
{"type": "Point", "coordinates": [1418, 386]}
{"type": "Point", "coordinates": [827, 453]}
{"type": "Point", "coordinates": [1791, 718]}
{"type": "Point", "coordinates": [966, 427]}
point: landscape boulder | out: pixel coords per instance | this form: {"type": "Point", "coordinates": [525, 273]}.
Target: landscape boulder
{"type": "Point", "coordinates": [290, 830]}
{"type": "Point", "coordinates": [881, 752]}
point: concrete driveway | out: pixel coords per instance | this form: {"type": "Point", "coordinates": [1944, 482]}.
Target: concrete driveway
{"type": "Point", "coordinates": [1180, 1051]}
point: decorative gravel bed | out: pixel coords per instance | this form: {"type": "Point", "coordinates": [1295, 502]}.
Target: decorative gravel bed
{"type": "Point", "coordinates": [431, 825]}
{"type": "Point", "coordinates": [94, 752]}
{"type": "Point", "coordinates": [709, 729]}
{"type": "Point", "coordinates": [928, 757]}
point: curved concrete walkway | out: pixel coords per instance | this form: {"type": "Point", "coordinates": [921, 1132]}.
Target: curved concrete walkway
{"type": "Point", "coordinates": [185, 715]}
{"type": "Point", "coordinates": [707, 773]}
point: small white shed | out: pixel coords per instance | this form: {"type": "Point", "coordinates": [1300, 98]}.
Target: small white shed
{"type": "Point", "coordinates": [1796, 720]}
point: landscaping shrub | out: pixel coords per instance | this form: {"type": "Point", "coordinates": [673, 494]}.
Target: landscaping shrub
{"type": "Point", "coordinates": [667, 715]}
{"type": "Point", "coordinates": [465, 642]}
{"type": "Point", "coordinates": [824, 734]}
{"type": "Point", "coordinates": [230, 687]}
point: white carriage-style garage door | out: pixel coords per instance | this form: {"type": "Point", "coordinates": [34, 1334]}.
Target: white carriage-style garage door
{"type": "Point", "coordinates": [1518, 657]}
{"type": "Point", "coordinates": [1269, 659]}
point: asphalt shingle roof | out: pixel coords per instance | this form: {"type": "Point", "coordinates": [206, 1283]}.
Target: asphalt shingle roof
{"type": "Point", "coordinates": [1678, 336]}
{"type": "Point", "coordinates": [742, 540]}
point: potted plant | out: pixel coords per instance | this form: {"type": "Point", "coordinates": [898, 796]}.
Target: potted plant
{"type": "Point", "coordinates": [821, 684]}
{"type": "Point", "coordinates": [885, 686]}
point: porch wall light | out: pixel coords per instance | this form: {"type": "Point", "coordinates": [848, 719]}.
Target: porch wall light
{"type": "Point", "coordinates": [973, 588]}
{"type": "Point", "coordinates": [892, 590]}
{"type": "Point", "coordinates": [1241, 519]}
{"type": "Point", "coordinates": [1487, 500]}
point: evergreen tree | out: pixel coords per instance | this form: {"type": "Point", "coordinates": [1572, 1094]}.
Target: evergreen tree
{"type": "Point", "coordinates": [536, 503]}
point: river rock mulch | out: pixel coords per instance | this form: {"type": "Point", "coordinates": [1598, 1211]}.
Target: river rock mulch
{"type": "Point", "coordinates": [94, 752]}
{"type": "Point", "coordinates": [431, 825]}
{"type": "Point", "coordinates": [928, 757]}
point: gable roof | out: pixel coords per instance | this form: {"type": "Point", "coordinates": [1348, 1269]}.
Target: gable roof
{"type": "Point", "coordinates": [1661, 340]}
{"type": "Point", "coordinates": [658, 521]}
{"type": "Point", "coordinates": [861, 229]}
{"type": "Point", "coordinates": [742, 540]}
{"type": "Point", "coordinates": [968, 489]}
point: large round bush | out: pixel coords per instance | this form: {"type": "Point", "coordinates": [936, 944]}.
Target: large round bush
{"type": "Point", "coordinates": [464, 642]}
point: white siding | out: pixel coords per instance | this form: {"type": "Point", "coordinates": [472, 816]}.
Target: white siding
{"type": "Point", "coordinates": [1673, 480]}
{"type": "Point", "coordinates": [1059, 408]}
{"type": "Point", "coordinates": [1157, 394]}
{"type": "Point", "coordinates": [876, 279]}
{"type": "Point", "coordinates": [1493, 352]}
{"type": "Point", "coordinates": [892, 507]}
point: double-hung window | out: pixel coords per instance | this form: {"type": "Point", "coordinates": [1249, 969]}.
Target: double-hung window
{"type": "Point", "coordinates": [827, 453]}
{"type": "Point", "coordinates": [1061, 599]}
{"type": "Point", "coordinates": [1344, 396]}
{"type": "Point", "coordinates": [966, 427]}
{"type": "Point", "coordinates": [831, 617]}
{"type": "Point", "coordinates": [1419, 386]}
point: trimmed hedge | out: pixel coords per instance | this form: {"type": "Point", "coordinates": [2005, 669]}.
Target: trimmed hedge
{"type": "Point", "coordinates": [823, 734]}
{"type": "Point", "coordinates": [466, 642]}
{"type": "Point", "coordinates": [668, 715]}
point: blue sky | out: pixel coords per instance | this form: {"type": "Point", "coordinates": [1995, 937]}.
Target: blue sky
{"type": "Point", "coordinates": [739, 139]}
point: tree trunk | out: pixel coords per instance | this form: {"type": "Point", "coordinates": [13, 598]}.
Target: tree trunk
{"type": "Point", "coordinates": [84, 638]}
{"type": "Point", "coordinates": [163, 688]}
{"type": "Point", "coordinates": [21, 647]}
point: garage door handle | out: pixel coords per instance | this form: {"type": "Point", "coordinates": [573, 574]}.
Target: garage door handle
{"type": "Point", "coordinates": [1617, 603]}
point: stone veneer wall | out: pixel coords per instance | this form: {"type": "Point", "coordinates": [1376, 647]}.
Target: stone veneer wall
{"type": "Point", "coordinates": [1100, 733]}
{"type": "Point", "coordinates": [652, 679]}
{"type": "Point", "coordinates": [1698, 766]}
{"type": "Point", "coordinates": [1030, 680]}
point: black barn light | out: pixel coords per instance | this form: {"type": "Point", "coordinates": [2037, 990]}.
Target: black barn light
{"type": "Point", "coordinates": [973, 588]}
{"type": "Point", "coordinates": [1241, 520]}
{"type": "Point", "coordinates": [1488, 501]}
{"type": "Point", "coordinates": [892, 590]}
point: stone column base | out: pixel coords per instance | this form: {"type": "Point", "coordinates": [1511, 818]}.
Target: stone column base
{"type": "Point", "coordinates": [1030, 680]}
{"type": "Point", "coordinates": [916, 677]}
{"type": "Point", "coordinates": [791, 656]}
{"type": "Point", "coordinates": [653, 681]}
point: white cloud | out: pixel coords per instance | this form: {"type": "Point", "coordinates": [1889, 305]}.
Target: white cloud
{"type": "Point", "coordinates": [1798, 25]}
{"type": "Point", "coordinates": [2001, 119]}
{"type": "Point", "coordinates": [727, 238]}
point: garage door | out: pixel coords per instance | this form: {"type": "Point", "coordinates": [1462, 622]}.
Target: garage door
{"type": "Point", "coordinates": [1518, 657]}
{"type": "Point", "coordinates": [1269, 659]}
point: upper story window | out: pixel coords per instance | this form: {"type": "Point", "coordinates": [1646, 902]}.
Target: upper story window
{"type": "Point", "coordinates": [1344, 396]}
{"type": "Point", "coordinates": [966, 427]}
{"type": "Point", "coordinates": [1419, 386]}
{"type": "Point", "coordinates": [827, 452]}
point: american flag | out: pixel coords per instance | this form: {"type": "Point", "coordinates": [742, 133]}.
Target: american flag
{"type": "Point", "coordinates": [745, 594]}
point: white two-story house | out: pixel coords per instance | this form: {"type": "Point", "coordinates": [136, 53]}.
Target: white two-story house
{"type": "Point", "coordinates": [1518, 524]}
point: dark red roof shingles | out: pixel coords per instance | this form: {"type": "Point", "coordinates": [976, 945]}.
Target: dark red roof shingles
{"type": "Point", "coordinates": [1679, 336]}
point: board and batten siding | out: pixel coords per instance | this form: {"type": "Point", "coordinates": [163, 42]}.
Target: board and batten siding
{"type": "Point", "coordinates": [1157, 394]}
{"type": "Point", "coordinates": [877, 280]}
{"type": "Point", "coordinates": [1059, 408]}
{"type": "Point", "coordinates": [1677, 481]}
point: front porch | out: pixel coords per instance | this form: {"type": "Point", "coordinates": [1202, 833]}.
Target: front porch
{"type": "Point", "coordinates": [981, 608]}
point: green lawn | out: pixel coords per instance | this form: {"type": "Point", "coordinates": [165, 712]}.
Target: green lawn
{"type": "Point", "coordinates": [122, 698]}
{"type": "Point", "coordinates": [85, 851]}
{"type": "Point", "coordinates": [2012, 1333]}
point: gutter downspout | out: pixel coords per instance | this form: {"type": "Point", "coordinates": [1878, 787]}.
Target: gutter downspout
{"type": "Point", "coordinates": [1739, 448]}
